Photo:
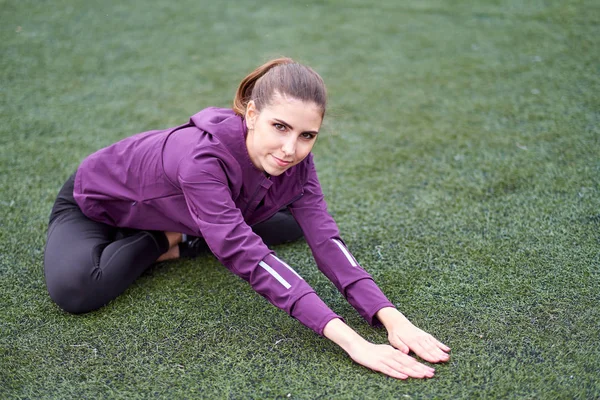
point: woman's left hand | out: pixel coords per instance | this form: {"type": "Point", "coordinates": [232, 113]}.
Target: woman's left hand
{"type": "Point", "coordinates": [404, 336]}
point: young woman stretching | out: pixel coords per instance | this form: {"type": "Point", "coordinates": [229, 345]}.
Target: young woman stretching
{"type": "Point", "coordinates": [232, 181]}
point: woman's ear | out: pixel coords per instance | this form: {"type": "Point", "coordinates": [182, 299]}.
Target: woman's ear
{"type": "Point", "coordinates": [251, 114]}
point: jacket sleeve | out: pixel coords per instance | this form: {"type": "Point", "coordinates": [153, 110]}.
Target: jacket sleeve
{"type": "Point", "coordinates": [204, 183]}
{"type": "Point", "coordinates": [331, 253]}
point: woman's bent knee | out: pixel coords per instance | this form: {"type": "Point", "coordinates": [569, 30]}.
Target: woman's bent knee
{"type": "Point", "coordinates": [71, 294]}
{"type": "Point", "coordinates": [74, 303]}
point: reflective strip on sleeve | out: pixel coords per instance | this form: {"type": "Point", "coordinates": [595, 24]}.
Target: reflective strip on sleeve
{"type": "Point", "coordinates": [346, 253]}
{"type": "Point", "coordinates": [275, 275]}
{"type": "Point", "coordinates": [288, 267]}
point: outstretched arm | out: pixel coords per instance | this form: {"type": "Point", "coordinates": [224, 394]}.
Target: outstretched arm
{"type": "Point", "coordinates": [404, 336]}
{"type": "Point", "coordinates": [332, 255]}
{"type": "Point", "coordinates": [378, 357]}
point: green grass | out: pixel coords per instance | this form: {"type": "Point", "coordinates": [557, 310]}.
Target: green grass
{"type": "Point", "coordinates": [460, 157]}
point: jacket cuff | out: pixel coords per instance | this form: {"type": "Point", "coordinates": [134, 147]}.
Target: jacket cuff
{"type": "Point", "coordinates": [312, 312]}
{"type": "Point", "coordinates": [366, 297]}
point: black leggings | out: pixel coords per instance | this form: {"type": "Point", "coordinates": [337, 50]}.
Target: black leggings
{"type": "Point", "coordinates": [88, 263]}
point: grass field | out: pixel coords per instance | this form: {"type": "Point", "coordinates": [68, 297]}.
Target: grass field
{"type": "Point", "coordinates": [460, 157]}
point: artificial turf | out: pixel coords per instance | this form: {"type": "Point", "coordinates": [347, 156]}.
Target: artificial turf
{"type": "Point", "coordinates": [460, 156]}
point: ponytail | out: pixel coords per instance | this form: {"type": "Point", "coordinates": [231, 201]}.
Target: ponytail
{"type": "Point", "coordinates": [283, 76]}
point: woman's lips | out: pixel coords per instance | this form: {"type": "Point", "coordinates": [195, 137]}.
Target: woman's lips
{"type": "Point", "coordinates": [281, 163]}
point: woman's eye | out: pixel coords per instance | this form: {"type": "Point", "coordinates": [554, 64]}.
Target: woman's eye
{"type": "Point", "coordinates": [279, 127]}
{"type": "Point", "coordinates": [308, 136]}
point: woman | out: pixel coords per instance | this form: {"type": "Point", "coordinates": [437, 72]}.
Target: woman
{"type": "Point", "coordinates": [234, 181]}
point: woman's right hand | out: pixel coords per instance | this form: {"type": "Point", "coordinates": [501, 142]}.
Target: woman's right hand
{"type": "Point", "coordinates": [388, 360]}
{"type": "Point", "coordinates": [378, 357]}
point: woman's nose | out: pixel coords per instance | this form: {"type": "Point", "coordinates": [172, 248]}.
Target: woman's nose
{"type": "Point", "coordinates": [289, 146]}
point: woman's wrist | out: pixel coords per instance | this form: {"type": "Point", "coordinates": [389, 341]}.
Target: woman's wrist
{"type": "Point", "coordinates": [342, 335]}
{"type": "Point", "coordinates": [389, 317]}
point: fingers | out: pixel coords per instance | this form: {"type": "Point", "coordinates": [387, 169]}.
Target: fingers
{"type": "Point", "coordinates": [442, 346]}
{"type": "Point", "coordinates": [392, 362]}
{"type": "Point", "coordinates": [389, 371]}
{"type": "Point", "coordinates": [422, 343]}
{"type": "Point", "coordinates": [411, 367]}
{"type": "Point", "coordinates": [430, 350]}
{"type": "Point", "coordinates": [401, 366]}
{"type": "Point", "coordinates": [399, 344]}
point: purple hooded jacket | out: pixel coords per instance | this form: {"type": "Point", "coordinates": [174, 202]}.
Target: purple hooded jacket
{"type": "Point", "coordinates": [198, 179]}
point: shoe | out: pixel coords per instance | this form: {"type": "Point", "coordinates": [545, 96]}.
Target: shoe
{"type": "Point", "coordinates": [192, 246]}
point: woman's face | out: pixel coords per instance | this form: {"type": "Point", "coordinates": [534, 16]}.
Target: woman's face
{"type": "Point", "coordinates": [282, 134]}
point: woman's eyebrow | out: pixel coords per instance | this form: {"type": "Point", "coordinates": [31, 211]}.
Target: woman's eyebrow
{"type": "Point", "coordinates": [290, 127]}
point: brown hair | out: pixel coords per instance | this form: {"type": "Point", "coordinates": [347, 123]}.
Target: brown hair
{"type": "Point", "coordinates": [281, 76]}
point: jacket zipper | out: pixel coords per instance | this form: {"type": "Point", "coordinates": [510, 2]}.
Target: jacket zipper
{"type": "Point", "coordinates": [252, 199]}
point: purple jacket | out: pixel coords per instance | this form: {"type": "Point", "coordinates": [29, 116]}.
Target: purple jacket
{"type": "Point", "coordinates": [198, 179]}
